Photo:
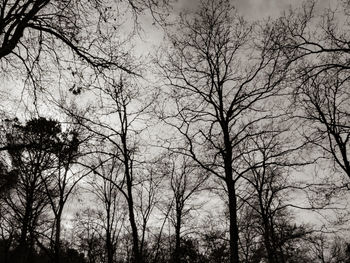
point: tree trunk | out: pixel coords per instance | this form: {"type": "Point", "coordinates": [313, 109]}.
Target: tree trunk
{"type": "Point", "coordinates": [109, 248]}
{"type": "Point", "coordinates": [109, 245]}
{"type": "Point", "coordinates": [23, 241]}
{"type": "Point", "coordinates": [137, 258]}
{"type": "Point", "coordinates": [234, 236]}
{"type": "Point", "coordinates": [57, 246]}
{"type": "Point", "coordinates": [177, 235]}
{"type": "Point", "coordinates": [268, 239]}
{"type": "Point", "coordinates": [269, 249]}
{"type": "Point", "coordinates": [231, 188]}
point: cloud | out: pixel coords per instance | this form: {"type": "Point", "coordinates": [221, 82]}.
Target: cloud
{"type": "Point", "coordinates": [249, 8]}
{"type": "Point", "coordinates": [257, 9]}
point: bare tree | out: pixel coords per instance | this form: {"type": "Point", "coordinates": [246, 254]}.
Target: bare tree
{"type": "Point", "coordinates": [186, 181]}
{"type": "Point", "coordinates": [315, 40]}
{"type": "Point", "coordinates": [149, 194]}
{"type": "Point", "coordinates": [117, 122]}
{"type": "Point", "coordinates": [218, 98]}
{"type": "Point", "coordinates": [315, 49]}
{"type": "Point", "coordinates": [63, 180]}
{"type": "Point", "coordinates": [112, 216]}
{"type": "Point", "coordinates": [32, 29]}
{"type": "Point", "coordinates": [324, 102]}
{"type": "Point", "coordinates": [88, 237]}
{"type": "Point", "coordinates": [271, 158]}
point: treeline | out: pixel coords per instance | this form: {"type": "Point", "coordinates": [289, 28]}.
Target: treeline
{"type": "Point", "coordinates": [211, 149]}
{"type": "Point", "coordinates": [169, 195]}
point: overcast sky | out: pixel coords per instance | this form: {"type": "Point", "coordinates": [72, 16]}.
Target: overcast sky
{"type": "Point", "coordinates": [257, 9]}
{"type": "Point", "coordinates": [251, 9]}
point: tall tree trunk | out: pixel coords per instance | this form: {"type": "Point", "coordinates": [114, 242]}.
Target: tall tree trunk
{"type": "Point", "coordinates": [231, 188]}
{"type": "Point", "coordinates": [109, 245]}
{"type": "Point", "coordinates": [268, 239]}
{"type": "Point", "coordinates": [234, 236]}
{"type": "Point", "coordinates": [268, 246]}
{"type": "Point", "coordinates": [57, 246]}
{"type": "Point", "coordinates": [177, 235]}
{"type": "Point", "coordinates": [23, 241]}
{"type": "Point", "coordinates": [109, 248]}
{"type": "Point", "coordinates": [137, 258]}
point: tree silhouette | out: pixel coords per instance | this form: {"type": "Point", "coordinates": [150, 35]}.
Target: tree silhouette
{"type": "Point", "coordinates": [217, 100]}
